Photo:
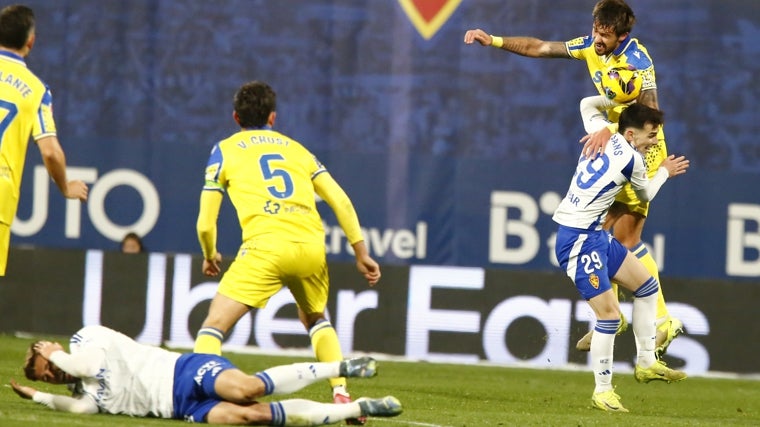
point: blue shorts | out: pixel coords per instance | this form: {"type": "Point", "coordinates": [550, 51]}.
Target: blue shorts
{"type": "Point", "coordinates": [194, 378]}
{"type": "Point", "coordinates": [590, 258]}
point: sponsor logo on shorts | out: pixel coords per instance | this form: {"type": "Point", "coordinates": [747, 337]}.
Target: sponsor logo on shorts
{"type": "Point", "coordinates": [213, 366]}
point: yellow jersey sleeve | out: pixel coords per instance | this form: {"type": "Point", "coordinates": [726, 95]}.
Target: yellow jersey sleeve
{"type": "Point", "coordinates": [332, 193]}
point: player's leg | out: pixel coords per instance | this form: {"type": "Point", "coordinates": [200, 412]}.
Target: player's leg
{"type": "Point", "coordinates": [606, 309]}
{"type": "Point", "coordinates": [311, 293]}
{"type": "Point", "coordinates": [237, 386]}
{"type": "Point", "coordinates": [223, 313]}
{"type": "Point", "coordinates": [593, 284]}
{"type": "Point", "coordinates": [628, 231]}
{"type": "Point", "coordinates": [301, 412]}
{"type": "Point", "coordinates": [250, 281]}
{"type": "Point", "coordinates": [584, 344]}
{"type": "Point", "coordinates": [631, 273]}
{"type": "Point", "coordinates": [5, 244]}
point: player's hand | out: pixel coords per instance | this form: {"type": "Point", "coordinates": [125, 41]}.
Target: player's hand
{"type": "Point", "coordinates": [369, 268]}
{"type": "Point", "coordinates": [212, 267]}
{"type": "Point", "coordinates": [46, 348]}
{"type": "Point", "coordinates": [675, 165]}
{"type": "Point", "coordinates": [76, 190]}
{"type": "Point", "coordinates": [479, 36]}
{"type": "Point", "coordinates": [594, 143]}
{"type": "Point", "coordinates": [24, 391]}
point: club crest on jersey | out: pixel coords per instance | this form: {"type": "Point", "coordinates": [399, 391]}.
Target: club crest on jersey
{"type": "Point", "coordinates": [594, 280]}
{"type": "Point", "coordinates": [428, 16]}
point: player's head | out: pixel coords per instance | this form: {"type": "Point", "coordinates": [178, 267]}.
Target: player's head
{"type": "Point", "coordinates": [17, 28]}
{"type": "Point", "coordinates": [255, 105]}
{"type": "Point", "coordinates": [37, 368]}
{"type": "Point", "coordinates": [613, 21]}
{"type": "Point", "coordinates": [639, 125]}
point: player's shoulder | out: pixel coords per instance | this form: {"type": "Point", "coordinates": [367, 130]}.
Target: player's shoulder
{"type": "Point", "coordinates": [634, 53]}
{"type": "Point", "coordinates": [91, 332]}
{"type": "Point", "coordinates": [578, 46]}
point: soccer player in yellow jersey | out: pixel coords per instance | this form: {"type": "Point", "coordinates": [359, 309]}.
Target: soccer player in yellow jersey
{"type": "Point", "coordinates": [272, 181]}
{"type": "Point", "coordinates": [610, 44]}
{"type": "Point", "coordinates": [26, 110]}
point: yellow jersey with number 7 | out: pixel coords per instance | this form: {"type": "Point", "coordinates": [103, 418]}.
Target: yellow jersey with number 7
{"type": "Point", "coordinates": [26, 110]}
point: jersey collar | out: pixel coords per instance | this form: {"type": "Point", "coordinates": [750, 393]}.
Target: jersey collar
{"type": "Point", "coordinates": [265, 127]}
{"type": "Point", "coordinates": [623, 45]}
{"type": "Point", "coordinates": [13, 56]}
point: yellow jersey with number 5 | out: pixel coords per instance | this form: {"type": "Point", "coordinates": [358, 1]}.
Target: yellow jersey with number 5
{"type": "Point", "coordinates": [26, 110]}
{"type": "Point", "coordinates": [268, 177]}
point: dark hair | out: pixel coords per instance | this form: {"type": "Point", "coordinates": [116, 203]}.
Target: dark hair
{"type": "Point", "coordinates": [31, 358]}
{"type": "Point", "coordinates": [133, 236]}
{"type": "Point", "coordinates": [253, 103]}
{"type": "Point", "coordinates": [16, 24]}
{"type": "Point", "coordinates": [615, 14]}
{"type": "Point", "coordinates": [637, 116]}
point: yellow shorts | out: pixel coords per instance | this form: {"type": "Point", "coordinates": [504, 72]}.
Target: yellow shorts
{"type": "Point", "coordinates": [5, 246]}
{"type": "Point", "coordinates": [654, 157]}
{"type": "Point", "coordinates": [263, 267]}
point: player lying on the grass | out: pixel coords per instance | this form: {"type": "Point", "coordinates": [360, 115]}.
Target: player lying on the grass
{"type": "Point", "coordinates": [109, 372]}
{"type": "Point", "coordinates": [591, 257]}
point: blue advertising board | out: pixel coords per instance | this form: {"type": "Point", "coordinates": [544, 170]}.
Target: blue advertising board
{"type": "Point", "coordinates": [453, 154]}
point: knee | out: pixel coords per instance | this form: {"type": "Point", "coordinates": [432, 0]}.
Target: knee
{"type": "Point", "coordinates": [608, 313]}
{"type": "Point", "coordinates": [248, 391]}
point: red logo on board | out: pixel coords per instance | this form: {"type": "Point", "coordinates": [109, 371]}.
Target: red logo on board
{"type": "Point", "coordinates": [428, 15]}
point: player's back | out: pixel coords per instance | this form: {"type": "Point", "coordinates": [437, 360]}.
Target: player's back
{"type": "Point", "coordinates": [596, 183]}
{"type": "Point", "coordinates": [135, 379]}
{"type": "Point", "coordinates": [21, 93]}
{"type": "Point", "coordinates": [269, 179]}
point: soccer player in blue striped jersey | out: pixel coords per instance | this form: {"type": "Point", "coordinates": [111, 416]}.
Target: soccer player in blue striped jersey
{"type": "Point", "coordinates": [272, 181]}
{"type": "Point", "coordinates": [591, 257]}
{"type": "Point", "coordinates": [609, 45]}
{"type": "Point", "coordinates": [26, 110]}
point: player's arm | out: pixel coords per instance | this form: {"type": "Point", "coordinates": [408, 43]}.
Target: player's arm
{"type": "Point", "coordinates": [208, 213]}
{"type": "Point", "coordinates": [521, 45]}
{"type": "Point", "coordinates": [81, 404]}
{"type": "Point", "coordinates": [85, 363]}
{"type": "Point", "coordinates": [647, 189]}
{"type": "Point", "coordinates": [55, 163]}
{"type": "Point", "coordinates": [593, 113]}
{"type": "Point", "coordinates": [331, 192]}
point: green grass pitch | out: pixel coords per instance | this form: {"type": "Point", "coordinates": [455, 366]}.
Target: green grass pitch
{"type": "Point", "coordinates": [444, 395]}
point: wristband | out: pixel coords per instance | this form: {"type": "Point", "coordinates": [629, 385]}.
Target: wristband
{"type": "Point", "coordinates": [497, 41]}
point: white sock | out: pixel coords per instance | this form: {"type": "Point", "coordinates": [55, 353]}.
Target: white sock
{"type": "Point", "coordinates": [287, 379]}
{"type": "Point", "coordinates": [301, 412]}
{"type": "Point", "coordinates": [602, 351]}
{"type": "Point", "coordinates": [644, 329]}
{"type": "Point", "coordinates": [660, 320]}
{"type": "Point", "coordinates": [340, 389]}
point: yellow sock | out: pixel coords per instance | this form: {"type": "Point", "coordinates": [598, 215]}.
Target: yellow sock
{"type": "Point", "coordinates": [326, 347]}
{"type": "Point", "coordinates": [209, 341]}
{"type": "Point", "coordinates": [646, 258]}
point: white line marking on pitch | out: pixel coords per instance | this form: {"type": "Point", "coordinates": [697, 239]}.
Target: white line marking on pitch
{"type": "Point", "coordinates": [405, 422]}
